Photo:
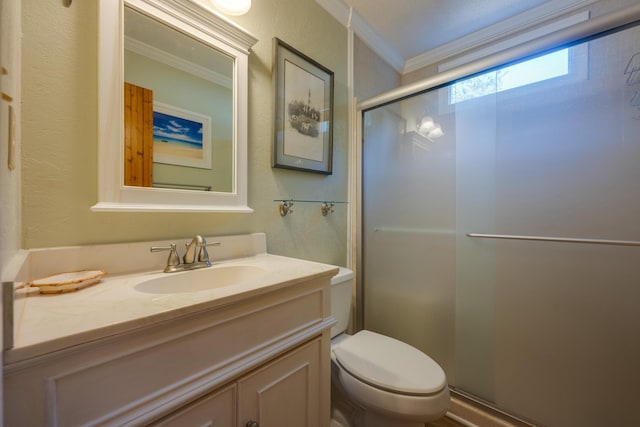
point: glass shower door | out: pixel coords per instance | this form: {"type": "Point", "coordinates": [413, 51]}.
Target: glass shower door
{"type": "Point", "coordinates": [547, 330]}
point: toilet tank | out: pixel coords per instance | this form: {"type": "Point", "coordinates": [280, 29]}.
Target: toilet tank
{"type": "Point", "coordinates": [341, 293]}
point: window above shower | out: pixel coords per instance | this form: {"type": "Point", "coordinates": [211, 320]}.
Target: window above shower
{"type": "Point", "coordinates": [558, 66]}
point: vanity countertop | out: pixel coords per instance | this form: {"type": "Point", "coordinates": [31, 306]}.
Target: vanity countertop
{"type": "Point", "coordinates": [48, 323]}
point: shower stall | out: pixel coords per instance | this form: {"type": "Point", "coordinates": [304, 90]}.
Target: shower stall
{"type": "Point", "coordinates": [501, 226]}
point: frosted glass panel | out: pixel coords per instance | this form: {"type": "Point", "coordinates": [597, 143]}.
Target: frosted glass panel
{"type": "Point", "coordinates": [409, 207]}
{"type": "Point", "coordinates": [547, 331]}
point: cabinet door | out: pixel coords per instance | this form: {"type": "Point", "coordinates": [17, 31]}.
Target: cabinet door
{"type": "Point", "coordinates": [216, 409]}
{"type": "Point", "coordinates": [285, 392]}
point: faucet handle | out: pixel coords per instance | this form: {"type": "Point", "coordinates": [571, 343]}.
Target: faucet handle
{"type": "Point", "coordinates": [173, 260]}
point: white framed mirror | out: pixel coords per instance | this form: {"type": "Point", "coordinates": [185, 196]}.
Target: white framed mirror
{"type": "Point", "coordinates": [172, 105]}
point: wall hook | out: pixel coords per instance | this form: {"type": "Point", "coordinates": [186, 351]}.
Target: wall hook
{"type": "Point", "coordinates": [66, 3]}
{"type": "Point", "coordinates": [326, 207]}
{"type": "Point", "coordinates": [285, 207]}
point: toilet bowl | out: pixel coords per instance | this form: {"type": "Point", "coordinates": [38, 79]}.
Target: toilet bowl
{"type": "Point", "coordinates": [386, 382]}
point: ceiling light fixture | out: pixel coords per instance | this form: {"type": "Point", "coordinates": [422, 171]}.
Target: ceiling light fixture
{"type": "Point", "coordinates": [232, 7]}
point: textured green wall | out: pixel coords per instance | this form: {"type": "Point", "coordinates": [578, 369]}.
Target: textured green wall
{"type": "Point", "coordinates": [60, 138]}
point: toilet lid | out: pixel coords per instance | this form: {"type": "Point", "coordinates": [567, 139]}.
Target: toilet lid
{"type": "Point", "coordinates": [389, 364]}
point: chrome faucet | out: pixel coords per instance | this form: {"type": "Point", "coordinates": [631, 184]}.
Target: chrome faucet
{"type": "Point", "coordinates": [195, 257]}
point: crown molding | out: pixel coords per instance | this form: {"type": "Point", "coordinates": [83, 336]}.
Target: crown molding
{"type": "Point", "coordinates": [495, 32]}
{"type": "Point", "coordinates": [164, 57]}
{"type": "Point", "coordinates": [547, 11]}
{"type": "Point", "coordinates": [338, 9]}
{"type": "Point", "coordinates": [376, 42]}
{"type": "Point", "coordinates": [343, 14]}
{"type": "Point", "coordinates": [516, 40]}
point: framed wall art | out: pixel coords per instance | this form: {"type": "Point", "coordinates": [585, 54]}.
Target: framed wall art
{"type": "Point", "coordinates": [181, 137]}
{"type": "Point", "coordinates": [303, 127]}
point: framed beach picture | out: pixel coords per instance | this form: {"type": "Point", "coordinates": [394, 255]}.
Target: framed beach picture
{"type": "Point", "coordinates": [181, 137]}
{"type": "Point", "coordinates": [303, 122]}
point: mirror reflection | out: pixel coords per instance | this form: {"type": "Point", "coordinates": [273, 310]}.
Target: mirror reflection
{"type": "Point", "coordinates": [178, 108]}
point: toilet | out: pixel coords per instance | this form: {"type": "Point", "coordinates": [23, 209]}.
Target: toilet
{"type": "Point", "coordinates": [378, 381]}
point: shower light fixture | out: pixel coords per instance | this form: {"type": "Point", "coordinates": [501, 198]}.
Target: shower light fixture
{"type": "Point", "coordinates": [436, 132]}
{"type": "Point", "coordinates": [231, 7]}
{"type": "Point", "coordinates": [426, 125]}
{"type": "Point", "coordinates": [428, 128]}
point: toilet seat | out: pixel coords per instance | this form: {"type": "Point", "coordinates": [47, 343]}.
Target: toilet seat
{"type": "Point", "coordinates": [390, 365]}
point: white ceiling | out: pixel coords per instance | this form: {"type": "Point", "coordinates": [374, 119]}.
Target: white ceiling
{"type": "Point", "coordinates": [410, 34]}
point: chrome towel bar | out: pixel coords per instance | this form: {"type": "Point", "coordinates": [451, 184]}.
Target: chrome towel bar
{"type": "Point", "coordinates": [555, 239]}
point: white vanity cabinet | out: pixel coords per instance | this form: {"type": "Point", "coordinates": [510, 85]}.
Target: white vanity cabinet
{"type": "Point", "coordinates": [262, 358]}
{"type": "Point", "coordinates": [285, 392]}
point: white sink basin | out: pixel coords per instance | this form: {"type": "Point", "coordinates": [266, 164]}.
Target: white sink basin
{"type": "Point", "coordinates": [200, 280]}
